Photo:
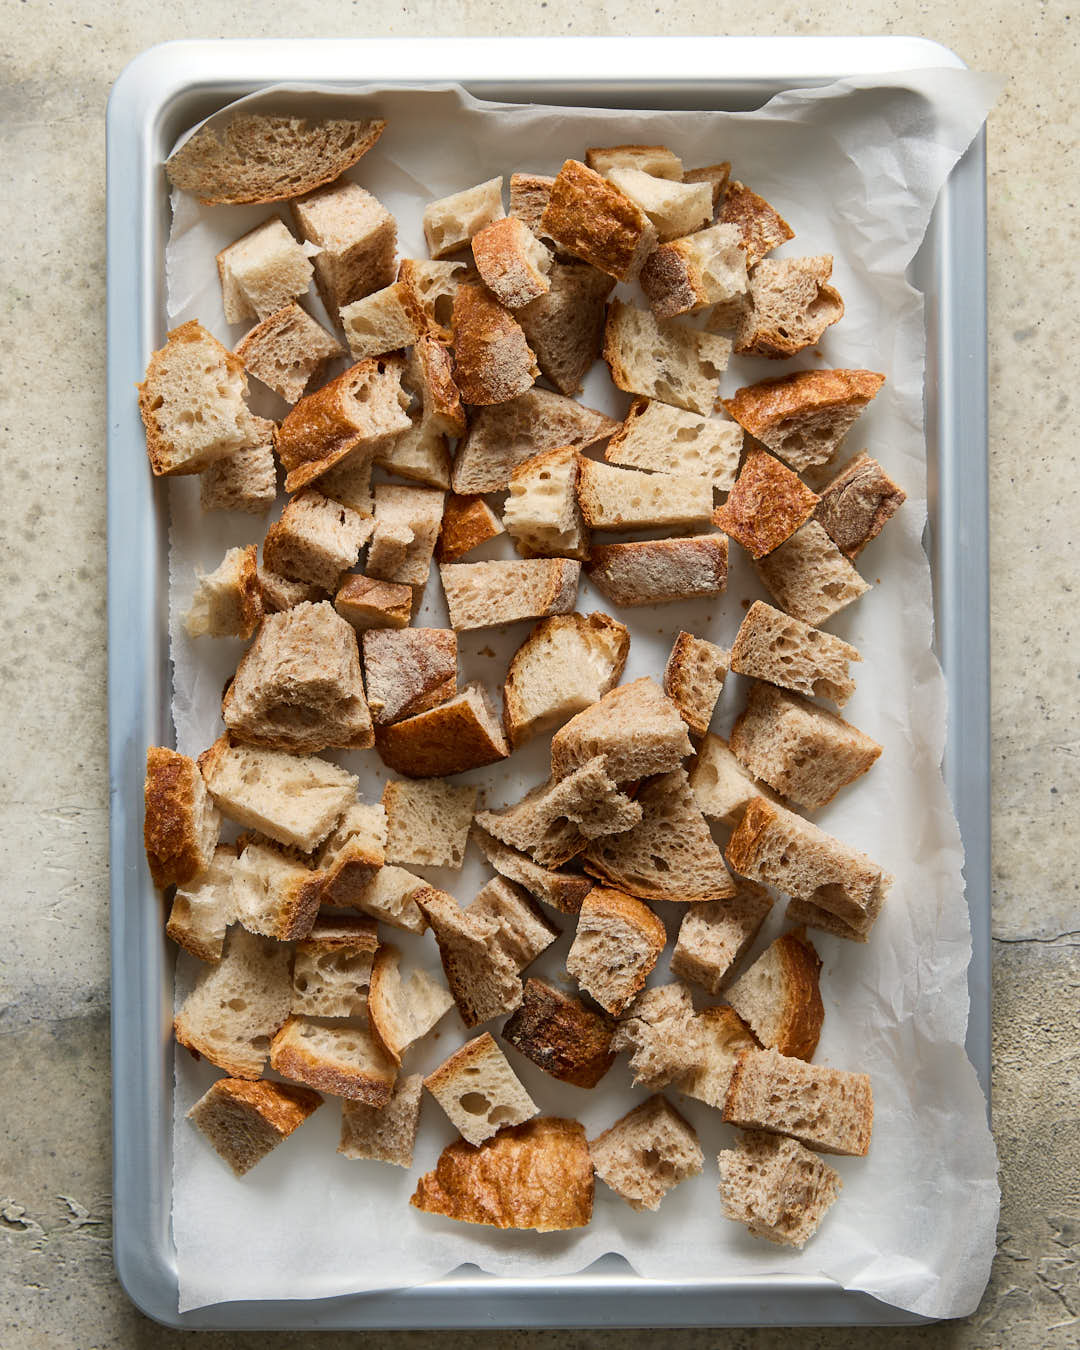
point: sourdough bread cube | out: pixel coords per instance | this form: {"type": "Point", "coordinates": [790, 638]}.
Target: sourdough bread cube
{"type": "Point", "coordinates": [180, 823]}
{"type": "Point", "coordinates": [661, 359]}
{"type": "Point", "coordinates": [857, 503]}
{"type": "Point", "coordinates": [660, 571]}
{"type": "Point", "coordinates": [478, 1090]}
{"type": "Point", "coordinates": [489, 594]}
{"type": "Point", "coordinates": [427, 822]}
{"type": "Point", "coordinates": [688, 275]}
{"type": "Point", "coordinates": [244, 1122]}
{"type": "Point", "coordinates": [387, 1133]}
{"type": "Point", "coordinates": [434, 285]}
{"type": "Point", "coordinates": [408, 670]}
{"type": "Point", "coordinates": [203, 908]}
{"type": "Point", "coordinates": [635, 728]}
{"type": "Point", "coordinates": [565, 326]}
{"type": "Point", "coordinates": [661, 438]}
{"type": "Point", "coordinates": [675, 208]}
{"type": "Point", "coordinates": [480, 972]}
{"type": "Point", "coordinates": [647, 1153]}
{"type": "Point", "coordinates": [384, 321]}
{"type": "Point", "coordinates": [766, 506]}
{"type": "Point", "coordinates": [626, 499]}
{"type": "Point", "coordinates": [369, 603]}
{"type": "Point", "coordinates": [512, 262]}
{"type": "Point", "coordinates": [349, 482]}
{"type": "Point", "coordinates": [829, 1110]}
{"type": "Point", "coordinates": [789, 307]}
{"type": "Point", "coordinates": [590, 217]}
{"type": "Point", "coordinates": [357, 241]}
{"type": "Point", "coordinates": [315, 540]}
{"type": "Point", "coordinates": [720, 784]}
{"type": "Point", "coordinates": [389, 546]}
{"type": "Point", "coordinates": [779, 999]}
{"type": "Point", "coordinates": [467, 523]}
{"type": "Point", "coordinates": [561, 1035]}
{"type": "Point", "coordinates": [804, 752]}
{"type": "Point", "coordinates": [287, 351]}
{"type": "Point", "coordinates": [542, 513]}
{"type": "Point", "coordinates": [342, 1058]}
{"type": "Point", "coordinates": [773, 646]}
{"type": "Point", "coordinates": [332, 967]}
{"type": "Point", "coordinates": [461, 734]}
{"type": "Point", "coordinates": [493, 362]}
{"type": "Point", "coordinates": [351, 855]}
{"type": "Point", "coordinates": [417, 510]}
{"type": "Point", "coordinates": [275, 891]}
{"type": "Point", "coordinates": [227, 601]}
{"type": "Point", "coordinates": [390, 896]}
{"type": "Point", "coordinates": [238, 1004]}
{"type": "Point", "coordinates": [724, 1037]}
{"type": "Point", "coordinates": [261, 272]}
{"type": "Point", "coordinates": [662, 1033]}
{"type": "Point", "coordinates": [693, 678]}
{"type": "Point", "coordinates": [529, 195]}
{"type": "Point", "coordinates": [403, 1013]}
{"type": "Point", "coordinates": [280, 593]}
{"type": "Point", "coordinates": [617, 943]}
{"type": "Point", "coordinates": [761, 228]}
{"type": "Point", "coordinates": [656, 160]}
{"type": "Point", "coordinates": [809, 577]}
{"type": "Point", "coordinates": [563, 891]}
{"type": "Point", "coordinates": [523, 931]}
{"type": "Point", "coordinates": [246, 480]}
{"type": "Point", "coordinates": [778, 1189]}
{"type": "Point", "coordinates": [451, 222]}
{"type": "Point", "coordinates": [715, 935]}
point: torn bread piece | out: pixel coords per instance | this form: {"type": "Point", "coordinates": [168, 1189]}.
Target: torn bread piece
{"type": "Point", "coordinates": [660, 571]}
{"type": "Point", "coordinates": [561, 1035]}
{"type": "Point", "coordinates": [451, 222]}
{"type": "Point", "coordinates": [523, 930]}
{"type": "Point", "coordinates": [384, 321]}
{"type": "Point", "coordinates": [647, 1153]}
{"type": "Point", "coordinates": [203, 908]}
{"type": "Point", "coordinates": [537, 1175]}
{"type": "Point", "coordinates": [674, 207]}
{"type": "Point", "coordinates": [181, 824]}
{"type": "Point", "coordinates": [784, 651]}
{"type": "Point", "coordinates": [351, 855]}
{"type": "Point", "coordinates": [512, 262]}
{"type": "Point", "coordinates": [561, 890]}
{"type": "Point", "coordinates": [332, 967]}
{"type": "Point", "coordinates": [617, 943]}
{"type": "Point", "coordinates": [402, 1013]}
{"type": "Point", "coordinates": [663, 1035]}
{"type": "Point", "coordinates": [542, 513]}
{"type": "Point", "coordinates": [590, 217]}
{"type": "Point", "coordinates": [766, 505]}
{"type": "Point", "coordinates": [809, 577]}
{"type": "Point", "coordinates": [427, 822]}
{"type": "Point", "coordinates": [776, 1187]}
{"type": "Point", "coordinates": [690, 274]}
{"type": "Point", "coordinates": [341, 1058]}
{"type": "Point", "coordinates": [390, 540]}
{"type": "Point", "coordinates": [276, 891]}
{"type": "Point", "coordinates": [244, 1121]}
{"type": "Point", "coordinates": [357, 241]}
{"type": "Point", "coordinates": [789, 306]}
{"type": "Point", "coordinates": [829, 1110]}
{"type": "Point", "coordinates": [693, 678]}
{"type": "Point", "coordinates": [761, 228]}
{"type": "Point", "coordinates": [417, 510]}
{"type": "Point", "coordinates": [489, 594]}
{"type": "Point", "coordinates": [434, 285]}
{"type": "Point", "coordinates": [856, 504]}
{"type": "Point", "coordinates": [778, 996]}
{"type": "Point", "coordinates": [349, 481]}
{"type": "Point", "coordinates": [724, 1037]}
{"type": "Point", "coordinates": [262, 272]}
{"type": "Point", "coordinates": [367, 602]}
{"type": "Point", "coordinates": [390, 897]}
{"type": "Point", "coordinates": [386, 1133]}
{"type": "Point", "coordinates": [467, 522]}
{"type": "Point", "coordinates": [716, 175]}
{"type": "Point", "coordinates": [529, 193]}
{"type": "Point", "coordinates": [408, 670]}
{"type": "Point", "coordinates": [423, 452]}
{"type": "Point", "coordinates": [288, 350]}
{"type": "Point", "coordinates": [670, 855]}
{"type": "Point", "coordinates": [315, 540]}
{"type": "Point", "coordinates": [635, 728]}
{"type": "Point", "coordinates": [715, 935]}
{"type": "Point", "coordinates": [662, 359]}
{"type": "Point", "coordinates": [480, 972]}
{"type": "Point", "coordinates": [656, 160]}
{"type": "Point", "coordinates": [280, 593]}
{"type": "Point", "coordinates": [461, 734]}
{"type": "Point", "coordinates": [627, 499]}
{"type": "Point", "coordinates": [493, 362]}
{"type": "Point", "coordinates": [565, 326]}
{"type": "Point", "coordinates": [246, 480]}
{"type": "Point", "coordinates": [479, 1091]}
{"type": "Point", "coordinates": [721, 785]}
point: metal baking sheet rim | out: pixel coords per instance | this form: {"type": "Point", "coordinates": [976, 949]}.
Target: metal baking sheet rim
{"type": "Point", "coordinates": [168, 88]}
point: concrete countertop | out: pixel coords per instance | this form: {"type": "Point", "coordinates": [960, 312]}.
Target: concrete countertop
{"type": "Point", "coordinates": [60, 59]}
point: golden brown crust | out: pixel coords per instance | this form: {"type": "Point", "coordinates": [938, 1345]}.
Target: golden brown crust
{"type": "Point", "coordinates": [594, 220]}
{"type": "Point", "coordinates": [380, 1012]}
{"type": "Point", "coordinates": [716, 174]}
{"type": "Point", "coordinates": [444, 740]}
{"type": "Point", "coordinates": [745, 843]}
{"type": "Point", "coordinates": [467, 523]}
{"type": "Point", "coordinates": [762, 228]}
{"type": "Point", "coordinates": [369, 603]}
{"type": "Point", "coordinates": [503, 264]}
{"type": "Point", "coordinates": [561, 1035]}
{"type": "Point", "coordinates": [760, 407]}
{"type": "Point", "coordinates": [170, 831]}
{"type": "Point", "coordinates": [249, 600]}
{"type": "Point", "coordinates": [373, 1085]}
{"type": "Point", "coordinates": [443, 398]}
{"type": "Point", "coordinates": [766, 506]}
{"type": "Point", "coordinates": [606, 902]}
{"type": "Point", "coordinates": [283, 1106]}
{"type": "Point", "coordinates": [493, 362]}
{"type": "Point", "coordinates": [537, 1175]}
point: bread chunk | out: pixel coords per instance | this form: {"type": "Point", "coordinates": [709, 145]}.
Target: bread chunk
{"type": "Point", "coordinates": [294, 799]}
{"type": "Point", "coordinates": [561, 890]}
{"type": "Point", "coordinates": [246, 1121]}
{"type": "Point", "coordinates": [280, 593]}
{"type": "Point", "coordinates": [779, 999]}
{"type": "Point", "coordinates": [561, 1035]}
{"type": "Point", "coordinates": [804, 752]}
{"type": "Point", "coordinates": [332, 967]}
{"type": "Point", "coordinates": [423, 452]}
{"type": "Point", "coordinates": [789, 307]}
{"type": "Point", "coordinates": [451, 222]}
{"type": "Point", "coordinates": [688, 275]}
{"type": "Point", "coordinates": [489, 594]}
{"type": "Point", "coordinates": [461, 734]}
{"type": "Point", "coordinates": [829, 1110]}
{"type": "Point", "coordinates": [565, 326]}
{"type": "Point", "coordinates": [368, 603]}
{"type": "Point", "coordinates": [316, 540]}
{"type": "Point", "coordinates": [192, 403]}
{"type": "Point", "coordinates": [386, 1133]}
{"type": "Point", "coordinates": [766, 506]}
{"type": "Point", "coordinates": [660, 571]}
{"type": "Point", "coordinates": [724, 1037]}
{"type": "Point", "coordinates": [778, 1189]}
{"type": "Point", "coordinates": [237, 1005]}
{"type": "Point", "coordinates": [804, 417]}
{"type": "Point", "coordinates": [857, 503]}
{"type": "Point", "coordinates": [715, 935]}
{"type": "Point", "coordinates": [390, 542]}
{"type": "Point", "coordinates": [246, 480]}
{"type": "Point", "coordinates": [409, 670]}
{"type": "Point", "coordinates": [478, 1090]}
{"type": "Point", "coordinates": [276, 892]}
{"type": "Point", "coordinates": [809, 577]}
{"type": "Point", "coordinates": [351, 855]}
{"type": "Point", "coordinates": [593, 219]}
{"type": "Point", "coordinates": [773, 646]}
{"type": "Point", "coordinates": [203, 908]}
{"type": "Point", "coordinates": [523, 930]}
{"type": "Point", "coordinates": [384, 321]}
{"type": "Point", "coordinates": [481, 973]}
{"type": "Point", "coordinates": [349, 481]}
{"type": "Point", "coordinates": [180, 822]}
{"type": "Point", "coordinates": [664, 439]}
{"type": "Point", "coordinates": [434, 285]}
{"type": "Point", "coordinates": [357, 240]}
{"type": "Point", "coordinates": [467, 523]}
{"type": "Point", "coordinates": [662, 1033]}
{"type": "Point", "coordinates": [403, 1013]}
{"type": "Point", "coordinates": [529, 194]}
{"type": "Point", "coordinates": [227, 601]}
{"type": "Point", "coordinates": [693, 678]}
{"type": "Point", "coordinates": [542, 512]}
{"type": "Point", "coordinates": [761, 227]}
{"type": "Point", "coordinates": [782, 849]}
{"type": "Point", "coordinates": [419, 509]}
{"type": "Point", "coordinates": [626, 499]}
{"type": "Point", "coordinates": [262, 272]}
{"type": "Point", "coordinates": [670, 855]}
{"type": "Point", "coordinates": [716, 175]}
{"type": "Point", "coordinates": [662, 359]}
{"type": "Point", "coordinates": [656, 160]}
{"type": "Point", "coordinates": [720, 784]}
{"type": "Point", "coordinates": [256, 158]}
{"type": "Point", "coordinates": [636, 728]}
{"type": "Point", "coordinates": [564, 665]}
{"type": "Point", "coordinates": [287, 351]}
{"type": "Point", "coordinates": [342, 1058]}
{"type": "Point", "coordinates": [674, 207]}
{"type": "Point", "coordinates": [493, 363]}
{"type": "Point", "coordinates": [502, 437]}
{"type": "Point", "coordinates": [617, 944]}
{"type": "Point", "coordinates": [647, 1153]}
{"type": "Point", "coordinates": [512, 262]}
{"type": "Point", "coordinates": [536, 1175]}
{"type": "Point", "coordinates": [428, 822]}
{"type": "Point", "coordinates": [390, 896]}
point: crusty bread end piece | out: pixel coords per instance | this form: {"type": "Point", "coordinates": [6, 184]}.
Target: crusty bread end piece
{"type": "Point", "coordinates": [766, 505]}
{"type": "Point", "coordinates": [561, 1035]}
{"type": "Point", "coordinates": [461, 734]}
{"type": "Point", "coordinates": [180, 822]}
{"type": "Point", "coordinates": [591, 218]}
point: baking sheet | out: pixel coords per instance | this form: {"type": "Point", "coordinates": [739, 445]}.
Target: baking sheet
{"type": "Point", "coordinates": [919, 1200]}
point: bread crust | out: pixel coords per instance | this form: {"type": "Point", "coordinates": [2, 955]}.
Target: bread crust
{"type": "Point", "coordinates": [761, 226]}
{"type": "Point", "coordinates": [803, 1012]}
{"type": "Point", "coordinates": [766, 506]}
{"type": "Point", "coordinates": [857, 503]}
{"type": "Point", "coordinates": [493, 363]}
{"type": "Point", "coordinates": [761, 407]}
{"type": "Point", "coordinates": [679, 681]}
{"type": "Point", "coordinates": [592, 219]}
{"type": "Point", "coordinates": [373, 1085]}
{"type": "Point", "coordinates": [691, 566]}
{"type": "Point", "coordinates": [468, 521]}
{"type": "Point", "coordinates": [561, 1035]}
{"type": "Point", "coordinates": [448, 739]}
{"type": "Point", "coordinates": [369, 603]}
{"type": "Point", "coordinates": [172, 792]}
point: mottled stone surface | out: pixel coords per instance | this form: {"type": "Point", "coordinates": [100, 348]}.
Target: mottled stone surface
{"type": "Point", "coordinates": [56, 1284]}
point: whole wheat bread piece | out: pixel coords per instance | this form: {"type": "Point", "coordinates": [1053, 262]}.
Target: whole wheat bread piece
{"type": "Point", "coordinates": [523, 929]}
{"type": "Point", "coordinates": [332, 966]}
{"type": "Point", "coordinates": [512, 262]}
{"type": "Point", "coordinates": [809, 577]}
{"type": "Point", "coordinates": [203, 908]}
{"type": "Point", "coordinates": [244, 481]}
{"type": "Point", "coordinates": [180, 822]}
{"type": "Point", "coordinates": [503, 436]}
{"type": "Point", "coordinates": [341, 1057]}
{"type": "Point", "coordinates": [493, 362]}
{"type": "Point", "coordinates": [829, 1110]}
{"type": "Point", "coordinates": [561, 1035]}
{"type": "Point", "coordinates": [408, 670]}
{"type": "Point", "coordinates": [660, 571]}
{"type": "Point", "coordinates": [227, 601]}
{"type": "Point", "coordinates": [761, 227]}
{"type": "Point", "coordinates": [803, 417]}
{"type": "Point", "coordinates": [778, 1189]}
{"type": "Point", "coordinates": [670, 855]}
{"type": "Point", "coordinates": [804, 752]}
{"type": "Point", "coordinates": [367, 602]}
{"type": "Point", "coordinates": [784, 651]}
{"type": "Point", "coordinates": [192, 403]}
{"type": "Point", "coordinates": [481, 974]}
{"type": "Point", "coordinates": [617, 943]}
{"type": "Point", "coordinates": [779, 999]}
{"type": "Point", "coordinates": [295, 799]}
{"type": "Point", "coordinates": [357, 241]}
{"type": "Point", "coordinates": [592, 219]}
{"type": "Point", "coordinates": [542, 513]}
{"type": "Point", "coordinates": [489, 594]}
{"type": "Point", "coordinates": [390, 896]}
{"type": "Point", "coordinates": [529, 193]}
{"type": "Point", "coordinates": [287, 350]}
{"type": "Point", "coordinates": [565, 664]}
{"type": "Point", "coordinates": [315, 540]}
{"type": "Point", "coordinates": [693, 678]}
{"type": "Point", "coordinates": [428, 822]}
{"type": "Point", "coordinates": [635, 727]}
{"type": "Point", "coordinates": [715, 935]}
{"type": "Point", "coordinates": [276, 891]}
{"type": "Point", "coordinates": [479, 1091]}
{"type": "Point", "coordinates": [721, 785]}
{"type": "Point", "coordinates": [663, 1035]}
{"type": "Point", "coordinates": [561, 890]}
{"type": "Point", "coordinates": [402, 1013]}
{"type": "Point", "coordinates": [384, 321]}
{"type": "Point", "coordinates": [450, 222]}
{"type": "Point", "coordinates": [689, 274]}
{"type": "Point", "coordinates": [857, 503]}
{"type": "Point", "coordinates": [258, 158]}
{"type": "Point", "coordinates": [627, 499]}
{"type": "Point", "coordinates": [386, 1133]}
{"type": "Point", "coordinates": [789, 307]}
{"type": "Point", "coordinates": [674, 207]}
{"type": "Point", "coordinates": [775, 846]}
{"type": "Point", "coordinates": [647, 1153]}
{"type": "Point", "coordinates": [419, 509]}
{"type": "Point", "coordinates": [659, 437]}
{"type": "Point", "coordinates": [656, 160]}
{"type": "Point", "coordinates": [537, 1175]}
{"type": "Point", "coordinates": [461, 734]}
{"type": "Point", "coordinates": [244, 1121]}
{"type": "Point", "coordinates": [663, 359]}
{"type": "Point", "coordinates": [298, 686]}
{"type": "Point", "coordinates": [238, 1004]}
{"type": "Point", "coordinates": [467, 523]}
{"type": "Point", "coordinates": [724, 1037]}
{"type": "Point", "coordinates": [351, 855]}
{"type": "Point", "coordinates": [262, 272]}
{"type": "Point", "coordinates": [565, 326]}
{"type": "Point", "coordinates": [766, 505]}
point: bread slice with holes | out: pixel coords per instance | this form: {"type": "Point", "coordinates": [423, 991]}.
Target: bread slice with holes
{"type": "Point", "coordinates": [276, 891]}
{"type": "Point", "coordinates": [332, 967]}
{"type": "Point", "coordinates": [662, 359]}
{"type": "Point", "coordinates": [829, 1110]}
{"type": "Point", "coordinates": [427, 822]}
{"type": "Point", "coordinates": [635, 728]}
{"type": "Point", "coordinates": [493, 362]}
{"type": "Point", "coordinates": [402, 1013]}
{"type": "Point", "coordinates": [656, 160]}
{"type": "Point", "coordinates": [245, 1121]}
{"type": "Point", "coordinates": [561, 890]}
{"type": "Point", "coordinates": [626, 499]}
{"type": "Point", "coordinates": [512, 262]}
{"type": "Point", "coordinates": [693, 678]}
{"type": "Point", "coordinates": [724, 1037]}
{"type": "Point", "coordinates": [180, 822]}
{"type": "Point", "coordinates": [367, 602]}
{"type": "Point", "coordinates": [592, 218]}
{"type": "Point", "coordinates": [660, 571]}
{"type": "Point", "coordinates": [776, 1187]}
{"type": "Point", "coordinates": [778, 996]}
{"type": "Point", "coordinates": [662, 1033]}
{"type": "Point", "coordinates": [489, 594]}
{"type": "Point", "coordinates": [342, 1058]}
{"type": "Point", "coordinates": [565, 326]}
{"type": "Point", "coordinates": [467, 523]}
{"type": "Point", "coordinates": [408, 670]}
{"type": "Point", "coordinates": [203, 908]}
{"type": "Point", "coordinates": [617, 943]}
{"type": "Point", "coordinates": [227, 601]}
{"type": "Point", "coordinates": [262, 272]}
{"type": "Point", "coordinates": [647, 1153]}
{"type": "Point", "coordinates": [434, 284]}
{"type": "Point", "coordinates": [480, 972]}
{"type": "Point", "coordinates": [690, 274]}
{"type": "Point", "coordinates": [715, 935]}
{"type": "Point", "coordinates": [461, 734]}
{"type": "Point", "coordinates": [287, 350]}
{"type": "Point", "coordinates": [542, 513]}
{"type": "Point", "coordinates": [560, 1035]}
{"type": "Point", "coordinates": [451, 222]}
{"type": "Point", "coordinates": [789, 306]}
{"type": "Point", "coordinates": [316, 540]}
{"type": "Point", "coordinates": [721, 785]}
{"type": "Point", "coordinates": [357, 241]}
{"type": "Point", "coordinates": [761, 227]}
{"type": "Point", "coordinates": [809, 577]}
{"type": "Point", "coordinates": [479, 1091]}
{"type": "Point", "coordinates": [238, 1004]}
{"type": "Point", "coordinates": [674, 207]}
{"type": "Point", "coordinates": [244, 481]}
{"type": "Point", "coordinates": [386, 1133]}
{"type": "Point", "coordinates": [857, 503]}
{"type": "Point", "coordinates": [660, 438]}
{"type": "Point", "coordinates": [766, 505]}
{"type": "Point", "coordinates": [523, 930]}
{"type": "Point", "coordinates": [784, 651]}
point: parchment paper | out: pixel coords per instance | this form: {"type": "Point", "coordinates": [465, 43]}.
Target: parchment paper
{"type": "Point", "coordinates": [855, 167]}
